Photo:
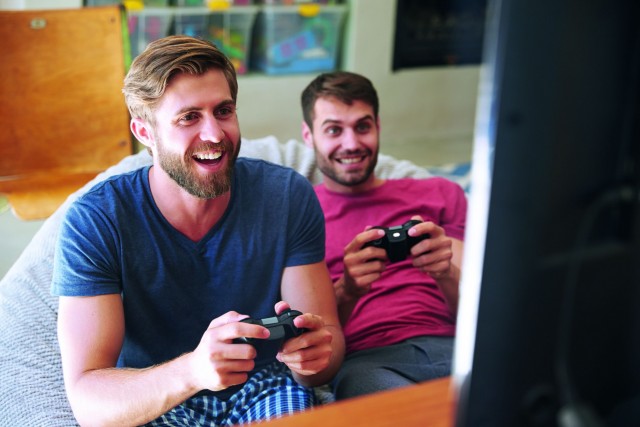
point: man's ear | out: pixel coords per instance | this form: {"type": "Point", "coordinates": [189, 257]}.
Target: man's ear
{"type": "Point", "coordinates": [307, 135]}
{"type": "Point", "coordinates": [142, 132]}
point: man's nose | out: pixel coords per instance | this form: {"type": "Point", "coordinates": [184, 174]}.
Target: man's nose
{"type": "Point", "coordinates": [211, 130]}
{"type": "Point", "coordinates": [350, 140]}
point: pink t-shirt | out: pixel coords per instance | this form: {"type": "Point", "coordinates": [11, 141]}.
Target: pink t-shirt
{"type": "Point", "coordinates": [404, 302]}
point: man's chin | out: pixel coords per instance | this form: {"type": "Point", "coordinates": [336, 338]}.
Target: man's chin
{"type": "Point", "coordinates": [351, 181]}
{"type": "Point", "coordinates": [208, 191]}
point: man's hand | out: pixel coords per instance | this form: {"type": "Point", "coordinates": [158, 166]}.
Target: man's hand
{"type": "Point", "coordinates": [440, 257]}
{"type": "Point", "coordinates": [434, 255]}
{"type": "Point", "coordinates": [362, 266]}
{"type": "Point", "coordinates": [219, 363]}
{"type": "Point", "coordinates": [309, 353]}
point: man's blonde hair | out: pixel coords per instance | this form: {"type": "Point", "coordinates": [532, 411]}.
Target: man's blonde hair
{"type": "Point", "coordinates": [152, 70]}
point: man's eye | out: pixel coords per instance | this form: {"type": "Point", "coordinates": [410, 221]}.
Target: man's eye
{"type": "Point", "coordinates": [189, 117]}
{"type": "Point", "coordinates": [333, 130]}
{"type": "Point", "coordinates": [363, 127]}
{"type": "Point", "coordinates": [226, 111]}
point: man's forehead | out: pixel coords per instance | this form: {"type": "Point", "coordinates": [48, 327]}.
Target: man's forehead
{"type": "Point", "coordinates": [191, 91]}
{"type": "Point", "coordinates": [334, 109]}
{"type": "Point", "coordinates": [183, 81]}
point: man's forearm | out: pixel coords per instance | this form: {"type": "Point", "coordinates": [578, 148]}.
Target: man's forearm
{"type": "Point", "coordinates": [450, 286]}
{"type": "Point", "coordinates": [450, 283]}
{"type": "Point", "coordinates": [346, 301]}
{"type": "Point", "coordinates": [122, 396]}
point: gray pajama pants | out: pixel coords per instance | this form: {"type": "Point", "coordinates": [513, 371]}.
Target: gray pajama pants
{"type": "Point", "coordinates": [412, 361]}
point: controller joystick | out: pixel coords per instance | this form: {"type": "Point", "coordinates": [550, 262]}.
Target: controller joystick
{"type": "Point", "coordinates": [396, 240]}
{"type": "Point", "coordinates": [281, 329]}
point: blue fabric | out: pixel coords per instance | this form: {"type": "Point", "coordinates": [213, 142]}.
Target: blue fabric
{"type": "Point", "coordinates": [115, 240]}
{"type": "Point", "coordinates": [459, 173]}
{"type": "Point", "coordinates": [270, 393]}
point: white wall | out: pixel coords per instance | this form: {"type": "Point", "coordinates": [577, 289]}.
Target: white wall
{"type": "Point", "coordinates": [425, 110]}
{"type": "Point", "coordinates": [430, 109]}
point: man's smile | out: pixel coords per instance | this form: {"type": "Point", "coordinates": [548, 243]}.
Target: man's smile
{"type": "Point", "coordinates": [208, 157]}
{"type": "Point", "coordinates": [350, 160]}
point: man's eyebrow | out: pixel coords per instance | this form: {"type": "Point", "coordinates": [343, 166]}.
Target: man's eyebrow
{"type": "Point", "coordinates": [365, 118]}
{"type": "Point", "coordinates": [225, 103]}
{"type": "Point", "coordinates": [332, 121]}
{"type": "Point", "coordinates": [189, 108]}
{"type": "Point", "coordinates": [368, 117]}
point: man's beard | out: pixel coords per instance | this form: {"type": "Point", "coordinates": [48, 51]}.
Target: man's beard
{"type": "Point", "coordinates": [208, 187]}
{"type": "Point", "coordinates": [347, 180]}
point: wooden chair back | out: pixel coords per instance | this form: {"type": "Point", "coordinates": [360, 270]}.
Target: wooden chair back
{"type": "Point", "coordinates": [62, 113]}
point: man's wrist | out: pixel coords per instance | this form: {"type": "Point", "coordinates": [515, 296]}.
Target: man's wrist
{"type": "Point", "coordinates": [343, 296]}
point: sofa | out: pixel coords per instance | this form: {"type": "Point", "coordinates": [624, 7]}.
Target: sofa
{"type": "Point", "coordinates": [31, 385]}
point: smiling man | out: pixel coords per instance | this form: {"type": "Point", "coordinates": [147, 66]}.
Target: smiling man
{"type": "Point", "coordinates": [156, 268]}
{"type": "Point", "coordinates": [398, 317]}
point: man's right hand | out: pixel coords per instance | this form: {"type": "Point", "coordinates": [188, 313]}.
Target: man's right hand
{"type": "Point", "coordinates": [218, 362]}
{"type": "Point", "coordinates": [362, 265]}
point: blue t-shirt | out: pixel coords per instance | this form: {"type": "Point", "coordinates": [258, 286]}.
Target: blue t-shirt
{"type": "Point", "coordinates": [114, 240]}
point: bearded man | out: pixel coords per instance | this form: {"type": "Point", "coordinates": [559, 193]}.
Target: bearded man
{"type": "Point", "coordinates": [156, 268]}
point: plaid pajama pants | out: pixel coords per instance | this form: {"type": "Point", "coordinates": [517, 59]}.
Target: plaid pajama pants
{"type": "Point", "coordinates": [270, 393]}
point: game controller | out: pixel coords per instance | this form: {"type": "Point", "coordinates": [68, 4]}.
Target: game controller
{"type": "Point", "coordinates": [281, 328]}
{"type": "Point", "coordinates": [396, 240]}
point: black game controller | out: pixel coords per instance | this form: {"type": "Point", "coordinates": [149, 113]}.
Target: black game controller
{"type": "Point", "coordinates": [396, 240]}
{"type": "Point", "coordinates": [281, 328]}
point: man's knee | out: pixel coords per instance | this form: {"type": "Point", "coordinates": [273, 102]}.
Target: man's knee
{"type": "Point", "coordinates": [362, 380]}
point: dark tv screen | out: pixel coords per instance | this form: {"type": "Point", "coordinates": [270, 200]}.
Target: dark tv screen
{"type": "Point", "coordinates": [549, 322]}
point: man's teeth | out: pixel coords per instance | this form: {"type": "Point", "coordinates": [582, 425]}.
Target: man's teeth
{"type": "Point", "coordinates": [208, 156]}
{"type": "Point", "coordinates": [351, 160]}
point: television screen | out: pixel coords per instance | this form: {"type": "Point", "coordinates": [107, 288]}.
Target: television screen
{"type": "Point", "coordinates": [549, 317]}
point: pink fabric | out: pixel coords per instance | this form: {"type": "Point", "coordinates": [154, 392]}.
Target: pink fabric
{"type": "Point", "coordinates": [404, 302]}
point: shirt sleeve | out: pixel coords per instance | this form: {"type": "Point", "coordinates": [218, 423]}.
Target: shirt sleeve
{"type": "Point", "coordinates": [85, 253]}
{"type": "Point", "coordinates": [307, 231]}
